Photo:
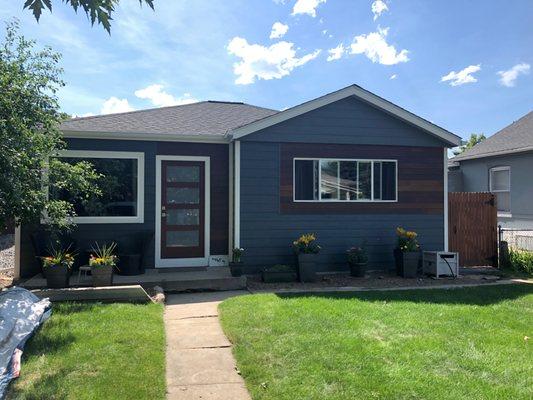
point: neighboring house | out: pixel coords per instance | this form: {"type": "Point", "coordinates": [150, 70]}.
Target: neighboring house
{"type": "Point", "coordinates": [206, 177]}
{"type": "Point", "coordinates": [502, 164]}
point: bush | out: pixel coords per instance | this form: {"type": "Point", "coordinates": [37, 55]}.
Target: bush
{"type": "Point", "coordinates": [521, 261]}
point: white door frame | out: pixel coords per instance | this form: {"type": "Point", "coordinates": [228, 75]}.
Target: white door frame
{"type": "Point", "coordinates": [182, 262]}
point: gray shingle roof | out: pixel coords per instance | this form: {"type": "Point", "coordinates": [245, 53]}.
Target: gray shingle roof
{"type": "Point", "coordinates": [516, 137]}
{"type": "Point", "coordinates": [206, 118]}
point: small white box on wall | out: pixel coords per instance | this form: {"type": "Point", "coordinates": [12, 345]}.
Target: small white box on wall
{"type": "Point", "coordinates": [440, 263]}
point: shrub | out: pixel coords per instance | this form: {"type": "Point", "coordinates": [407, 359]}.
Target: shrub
{"type": "Point", "coordinates": [306, 244]}
{"type": "Point", "coordinates": [103, 256]}
{"type": "Point", "coordinates": [237, 254]}
{"type": "Point", "coordinates": [357, 255]}
{"type": "Point", "coordinates": [59, 257]}
{"type": "Point", "coordinates": [407, 240]}
{"type": "Point", "coordinates": [521, 261]}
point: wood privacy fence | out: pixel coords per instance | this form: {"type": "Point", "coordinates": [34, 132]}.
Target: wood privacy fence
{"type": "Point", "coordinates": [473, 228]}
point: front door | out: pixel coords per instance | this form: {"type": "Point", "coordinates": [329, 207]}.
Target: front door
{"type": "Point", "coordinates": [182, 209]}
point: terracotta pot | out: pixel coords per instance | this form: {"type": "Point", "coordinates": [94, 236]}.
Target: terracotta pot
{"type": "Point", "coordinates": [307, 267]}
{"type": "Point", "coordinates": [102, 275]}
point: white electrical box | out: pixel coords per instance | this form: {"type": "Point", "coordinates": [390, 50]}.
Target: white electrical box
{"type": "Point", "coordinates": [440, 263]}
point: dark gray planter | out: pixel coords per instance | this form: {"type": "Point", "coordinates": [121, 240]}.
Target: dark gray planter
{"type": "Point", "coordinates": [411, 259]}
{"type": "Point", "coordinates": [236, 268]}
{"type": "Point", "coordinates": [307, 267]}
{"type": "Point", "coordinates": [102, 275]}
{"type": "Point", "coordinates": [278, 276]}
{"type": "Point", "coordinates": [57, 276]}
{"type": "Point", "coordinates": [358, 269]}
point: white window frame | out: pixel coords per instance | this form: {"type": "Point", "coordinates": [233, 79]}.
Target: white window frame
{"type": "Point", "coordinates": [503, 168]}
{"type": "Point", "coordinates": [320, 200]}
{"type": "Point", "coordinates": [139, 218]}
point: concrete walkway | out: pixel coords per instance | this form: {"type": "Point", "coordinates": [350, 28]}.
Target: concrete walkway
{"type": "Point", "coordinates": [199, 362]}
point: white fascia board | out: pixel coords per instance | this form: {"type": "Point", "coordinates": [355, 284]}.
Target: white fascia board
{"type": "Point", "coordinates": [494, 154]}
{"type": "Point", "coordinates": [387, 106]}
{"type": "Point", "coordinates": [159, 137]}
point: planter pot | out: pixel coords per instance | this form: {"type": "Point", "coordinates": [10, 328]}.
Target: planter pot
{"type": "Point", "coordinates": [102, 275]}
{"type": "Point", "coordinates": [411, 260]}
{"type": "Point", "coordinates": [57, 276]}
{"type": "Point", "coordinates": [358, 269]}
{"type": "Point", "coordinates": [273, 277]}
{"type": "Point", "coordinates": [236, 268]}
{"type": "Point", "coordinates": [307, 267]}
{"type": "Point", "coordinates": [398, 259]}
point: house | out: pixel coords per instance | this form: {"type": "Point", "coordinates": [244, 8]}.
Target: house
{"type": "Point", "coordinates": [207, 177]}
{"type": "Point", "coordinates": [502, 164]}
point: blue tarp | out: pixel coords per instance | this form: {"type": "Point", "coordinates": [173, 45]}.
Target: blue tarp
{"type": "Point", "coordinates": [21, 313]}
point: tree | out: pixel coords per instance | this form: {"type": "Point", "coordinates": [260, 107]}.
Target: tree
{"type": "Point", "coordinates": [96, 10]}
{"type": "Point", "coordinates": [474, 139]}
{"type": "Point", "coordinates": [30, 138]}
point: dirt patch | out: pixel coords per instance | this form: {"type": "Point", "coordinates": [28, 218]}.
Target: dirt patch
{"type": "Point", "coordinates": [7, 259]}
{"type": "Point", "coordinates": [371, 281]}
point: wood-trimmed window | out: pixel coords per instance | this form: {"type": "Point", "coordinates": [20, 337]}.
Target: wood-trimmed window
{"type": "Point", "coordinates": [344, 180]}
{"type": "Point", "coordinates": [500, 185]}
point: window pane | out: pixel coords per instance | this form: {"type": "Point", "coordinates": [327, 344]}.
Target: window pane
{"type": "Point", "coordinates": [183, 195]}
{"type": "Point", "coordinates": [182, 238]}
{"type": "Point", "coordinates": [503, 201]}
{"type": "Point", "coordinates": [183, 217]}
{"type": "Point", "coordinates": [500, 180]}
{"type": "Point", "coordinates": [365, 186]}
{"type": "Point", "coordinates": [388, 180]}
{"type": "Point", "coordinates": [118, 185]}
{"type": "Point", "coordinates": [306, 179]}
{"type": "Point", "coordinates": [348, 181]}
{"type": "Point", "coordinates": [178, 173]}
{"type": "Point", "coordinates": [329, 176]}
{"type": "Point", "coordinates": [377, 180]}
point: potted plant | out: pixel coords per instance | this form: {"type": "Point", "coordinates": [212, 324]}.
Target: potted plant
{"type": "Point", "coordinates": [236, 265]}
{"type": "Point", "coordinates": [102, 263]}
{"type": "Point", "coordinates": [307, 250]}
{"type": "Point", "coordinates": [279, 273]}
{"type": "Point", "coordinates": [407, 253]}
{"type": "Point", "coordinates": [357, 260]}
{"type": "Point", "coordinates": [57, 267]}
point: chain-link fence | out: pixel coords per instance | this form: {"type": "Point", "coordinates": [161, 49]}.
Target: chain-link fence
{"type": "Point", "coordinates": [517, 239]}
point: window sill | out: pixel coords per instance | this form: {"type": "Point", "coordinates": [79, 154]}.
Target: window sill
{"type": "Point", "coordinates": [505, 215]}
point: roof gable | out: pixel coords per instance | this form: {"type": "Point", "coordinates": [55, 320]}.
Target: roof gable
{"type": "Point", "coordinates": [355, 91]}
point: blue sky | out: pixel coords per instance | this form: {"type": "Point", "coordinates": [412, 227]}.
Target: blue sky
{"type": "Point", "coordinates": [464, 65]}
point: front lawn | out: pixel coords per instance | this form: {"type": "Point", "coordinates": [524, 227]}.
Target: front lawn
{"type": "Point", "coordinates": [421, 344]}
{"type": "Point", "coordinates": [95, 351]}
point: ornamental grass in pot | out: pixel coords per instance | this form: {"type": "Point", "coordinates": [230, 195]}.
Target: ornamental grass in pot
{"type": "Point", "coordinates": [57, 267]}
{"type": "Point", "coordinates": [407, 253]}
{"type": "Point", "coordinates": [236, 266]}
{"type": "Point", "coordinates": [307, 250]}
{"type": "Point", "coordinates": [102, 263]}
{"type": "Point", "coordinates": [357, 260]}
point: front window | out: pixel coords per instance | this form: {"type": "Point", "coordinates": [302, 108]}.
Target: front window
{"type": "Point", "coordinates": [345, 180]}
{"type": "Point", "coordinates": [122, 186]}
{"type": "Point", "coordinates": [500, 185]}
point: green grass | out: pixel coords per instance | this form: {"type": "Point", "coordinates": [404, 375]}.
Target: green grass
{"type": "Point", "coordinates": [420, 344]}
{"type": "Point", "coordinates": [95, 351]}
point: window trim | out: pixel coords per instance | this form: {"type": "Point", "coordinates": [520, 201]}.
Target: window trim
{"type": "Point", "coordinates": [139, 156]}
{"type": "Point", "coordinates": [320, 200]}
{"type": "Point", "coordinates": [508, 213]}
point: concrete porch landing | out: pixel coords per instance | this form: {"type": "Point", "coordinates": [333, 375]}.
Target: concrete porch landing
{"type": "Point", "coordinates": [212, 278]}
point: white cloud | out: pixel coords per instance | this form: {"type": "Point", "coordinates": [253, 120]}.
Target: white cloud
{"type": "Point", "coordinates": [336, 53]}
{"type": "Point", "coordinates": [160, 98]}
{"type": "Point", "coordinates": [374, 45]}
{"type": "Point", "coordinates": [378, 7]}
{"type": "Point", "coordinates": [306, 7]}
{"type": "Point", "coordinates": [393, 76]}
{"type": "Point", "coordinates": [462, 77]}
{"type": "Point", "coordinates": [261, 62]}
{"type": "Point", "coordinates": [115, 105]}
{"type": "Point", "coordinates": [508, 78]}
{"type": "Point", "coordinates": [278, 30]}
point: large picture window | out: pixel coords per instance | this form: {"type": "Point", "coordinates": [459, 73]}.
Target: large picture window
{"type": "Point", "coordinates": [345, 180]}
{"type": "Point", "coordinates": [121, 184]}
{"type": "Point", "coordinates": [500, 185]}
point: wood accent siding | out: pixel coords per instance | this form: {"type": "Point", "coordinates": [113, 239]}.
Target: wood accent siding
{"type": "Point", "coordinates": [420, 178]}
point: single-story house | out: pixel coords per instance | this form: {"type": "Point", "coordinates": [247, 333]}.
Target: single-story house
{"type": "Point", "coordinates": [502, 164]}
{"type": "Point", "coordinates": [207, 177]}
